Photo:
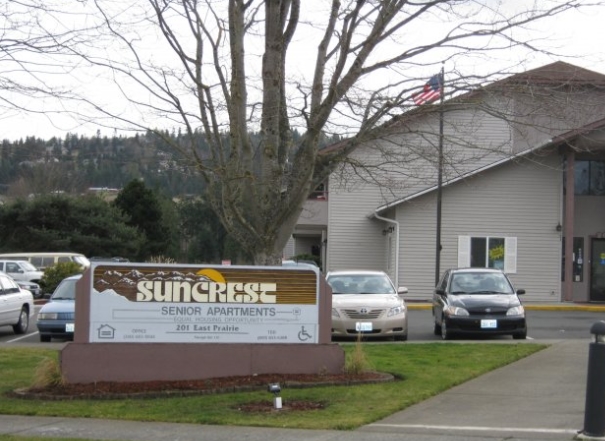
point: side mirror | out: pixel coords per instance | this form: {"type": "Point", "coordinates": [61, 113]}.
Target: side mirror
{"type": "Point", "coordinates": [439, 291]}
{"type": "Point", "coordinates": [520, 291]}
{"type": "Point", "coordinates": [402, 290]}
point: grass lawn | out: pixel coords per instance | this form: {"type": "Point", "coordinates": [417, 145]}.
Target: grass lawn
{"type": "Point", "coordinates": [425, 370]}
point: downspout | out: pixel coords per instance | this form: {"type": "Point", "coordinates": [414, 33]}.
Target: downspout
{"type": "Point", "coordinates": [568, 229]}
{"type": "Point", "coordinates": [394, 222]}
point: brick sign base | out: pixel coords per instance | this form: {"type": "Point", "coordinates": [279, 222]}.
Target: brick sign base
{"type": "Point", "coordinates": [88, 363]}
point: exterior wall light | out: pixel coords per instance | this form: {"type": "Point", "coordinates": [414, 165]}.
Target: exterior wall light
{"type": "Point", "coordinates": [275, 389]}
{"type": "Point", "coordinates": [388, 230]}
{"type": "Point", "coordinates": [558, 227]}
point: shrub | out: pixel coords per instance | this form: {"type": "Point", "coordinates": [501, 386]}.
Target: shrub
{"type": "Point", "coordinates": [356, 361]}
{"type": "Point", "coordinates": [48, 374]}
{"type": "Point", "coordinates": [54, 274]}
{"type": "Point", "coordinates": [307, 257]}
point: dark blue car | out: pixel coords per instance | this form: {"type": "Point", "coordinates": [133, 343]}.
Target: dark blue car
{"type": "Point", "coordinates": [56, 319]}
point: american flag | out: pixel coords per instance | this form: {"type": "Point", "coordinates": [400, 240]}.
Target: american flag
{"type": "Point", "coordinates": [430, 92]}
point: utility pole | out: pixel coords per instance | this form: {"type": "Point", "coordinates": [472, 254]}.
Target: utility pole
{"type": "Point", "coordinates": [439, 182]}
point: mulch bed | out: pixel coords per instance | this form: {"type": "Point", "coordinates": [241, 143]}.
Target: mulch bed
{"type": "Point", "coordinates": [158, 389]}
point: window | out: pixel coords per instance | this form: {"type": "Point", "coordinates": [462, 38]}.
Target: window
{"type": "Point", "coordinates": [589, 178]}
{"type": "Point", "coordinates": [319, 192]}
{"type": "Point", "coordinates": [581, 179]}
{"type": "Point", "coordinates": [488, 252]}
{"type": "Point", "coordinates": [597, 178]}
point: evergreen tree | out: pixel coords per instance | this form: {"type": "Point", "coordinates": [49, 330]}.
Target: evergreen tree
{"type": "Point", "coordinates": [87, 225]}
{"type": "Point", "coordinates": [142, 207]}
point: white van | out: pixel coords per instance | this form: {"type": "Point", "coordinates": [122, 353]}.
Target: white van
{"type": "Point", "coordinates": [44, 260]}
{"type": "Point", "coordinates": [21, 270]}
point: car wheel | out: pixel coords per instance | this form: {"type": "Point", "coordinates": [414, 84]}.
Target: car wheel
{"type": "Point", "coordinates": [437, 329]}
{"type": "Point", "coordinates": [520, 335]}
{"type": "Point", "coordinates": [445, 334]}
{"type": "Point", "coordinates": [23, 323]}
{"type": "Point", "coordinates": [44, 338]}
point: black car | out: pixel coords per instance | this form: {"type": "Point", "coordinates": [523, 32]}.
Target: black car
{"type": "Point", "coordinates": [479, 301]}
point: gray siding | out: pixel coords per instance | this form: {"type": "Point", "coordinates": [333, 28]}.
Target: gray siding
{"type": "Point", "coordinates": [354, 240]}
{"type": "Point", "coordinates": [520, 199]}
{"type": "Point", "coordinates": [401, 165]}
{"type": "Point", "coordinates": [289, 249]}
{"type": "Point", "coordinates": [545, 114]}
{"type": "Point", "coordinates": [315, 212]}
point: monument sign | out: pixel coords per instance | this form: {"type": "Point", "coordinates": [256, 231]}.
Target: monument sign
{"type": "Point", "coordinates": [142, 322]}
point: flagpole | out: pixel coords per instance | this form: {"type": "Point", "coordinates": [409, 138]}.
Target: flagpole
{"type": "Point", "coordinates": [439, 180]}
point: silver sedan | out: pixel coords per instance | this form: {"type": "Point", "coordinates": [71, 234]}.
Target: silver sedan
{"type": "Point", "coordinates": [366, 304]}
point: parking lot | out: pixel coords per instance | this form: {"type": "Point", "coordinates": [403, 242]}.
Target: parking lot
{"type": "Point", "coordinates": [543, 325]}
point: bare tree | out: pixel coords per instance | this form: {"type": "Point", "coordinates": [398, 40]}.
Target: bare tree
{"type": "Point", "coordinates": [226, 70]}
{"type": "Point", "coordinates": [33, 44]}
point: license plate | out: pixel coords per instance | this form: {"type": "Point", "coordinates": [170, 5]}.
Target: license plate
{"type": "Point", "coordinates": [69, 327]}
{"type": "Point", "coordinates": [363, 326]}
{"type": "Point", "coordinates": [489, 324]}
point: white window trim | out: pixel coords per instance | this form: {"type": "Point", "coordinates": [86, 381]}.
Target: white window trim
{"type": "Point", "coordinates": [510, 253]}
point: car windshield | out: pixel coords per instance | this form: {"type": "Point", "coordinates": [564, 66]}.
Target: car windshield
{"type": "Point", "coordinates": [28, 266]}
{"type": "Point", "coordinates": [480, 283]}
{"type": "Point", "coordinates": [66, 290]}
{"type": "Point", "coordinates": [361, 284]}
{"type": "Point", "coordinates": [82, 261]}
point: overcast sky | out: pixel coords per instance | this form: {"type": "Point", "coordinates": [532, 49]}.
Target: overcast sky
{"type": "Point", "coordinates": [577, 35]}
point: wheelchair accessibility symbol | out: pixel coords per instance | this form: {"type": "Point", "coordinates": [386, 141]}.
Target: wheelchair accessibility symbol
{"type": "Point", "coordinates": [303, 335]}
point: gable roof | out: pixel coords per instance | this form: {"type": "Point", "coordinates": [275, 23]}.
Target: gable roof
{"type": "Point", "coordinates": [552, 142]}
{"type": "Point", "coordinates": [558, 73]}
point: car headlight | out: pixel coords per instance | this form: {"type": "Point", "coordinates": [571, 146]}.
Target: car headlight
{"type": "Point", "coordinates": [455, 310]}
{"type": "Point", "coordinates": [516, 310]}
{"type": "Point", "coordinates": [47, 316]}
{"type": "Point", "coordinates": [396, 311]}
{"type": "Point", "coordinates": [335, 313]}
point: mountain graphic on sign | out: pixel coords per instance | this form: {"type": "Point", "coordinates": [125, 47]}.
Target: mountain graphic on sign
{"type": "Point", "coordinates": [124, 283]}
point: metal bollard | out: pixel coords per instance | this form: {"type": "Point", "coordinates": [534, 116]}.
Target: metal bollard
{"type": "Point", "coordinates": [594, 412]}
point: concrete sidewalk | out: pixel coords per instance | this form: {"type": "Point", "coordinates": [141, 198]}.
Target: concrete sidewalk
{"type": "Point", "coordinates": [541, 397]}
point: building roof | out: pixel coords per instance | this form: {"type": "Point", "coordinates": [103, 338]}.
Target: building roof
{"type": "Point", "coordinates": [552, 142]}
{"type": "Point", "coordinates": [558, 72]}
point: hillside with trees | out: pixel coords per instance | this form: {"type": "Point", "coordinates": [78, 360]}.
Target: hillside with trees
{"type": "Point", "coordinates": [109, 196]}
{"type": "Point", "coordinates": [76, 163]}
